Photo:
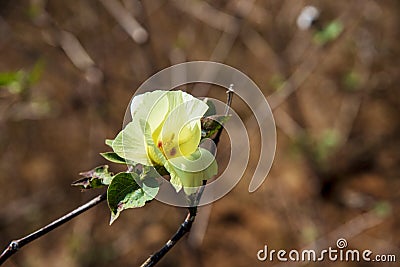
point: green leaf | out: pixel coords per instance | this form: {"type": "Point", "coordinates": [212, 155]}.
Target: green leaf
{"type": "Point", "coordinates": [125, 193]}
{"type": "Point", "coordinates": [95, 178]}
{"type": "Point", "coordinates": [352, 81]}
{"type": "Point", "coordinates": [211, 108]}
{"type": "Point", "coordinates": [109, 142]}
{"type": "Point", "coordinates": [326, 145]}
{"type": "Point", "coordinates": [210, 125]}
{"type": "Point", "coordinates": [14, 82]}
{"type": "Point", "coordinates": [7, 78]}
{"type": "Point", "coordinates": [382, 209]}
{"type": "Point", "coordinates": [113, 157]}
{"type": "Point", "coordinates": [329, 33]}
{"type": "Point", "coordinates": [17, 82]}
{"type": "Point", "coordinates": [36, 72]}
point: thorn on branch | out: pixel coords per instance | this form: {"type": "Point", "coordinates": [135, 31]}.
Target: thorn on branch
{"type": "Point", "coordinates": [14, 245]}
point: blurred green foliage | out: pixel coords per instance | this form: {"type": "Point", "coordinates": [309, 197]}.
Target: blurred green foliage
{"type": "Point", "coordinates": [351, 81]}
{"type": "Point", "coordinates": [329, 33]}
{"type": "Point", "coordinates": [18, 82]}
{"type": "Point", "coordinates": [383, 208]}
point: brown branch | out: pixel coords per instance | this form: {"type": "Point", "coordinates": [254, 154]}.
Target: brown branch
{"type": "Point", "coordinates": [229, 94]}
{"type": "Point", "coordinates": [15, 245]}
{"type": "Point", "coordinates": [126, 21]}
{"type": "Point", "coordinates": [182, 230]}
{"type": "Point", "coordinates": [188, 222]}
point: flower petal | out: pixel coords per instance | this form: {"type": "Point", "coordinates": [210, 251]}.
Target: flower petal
{"type": "Point", "coordinates": [153, 152]}
{"type": "Point", "coordinates": [151, 107]}
{"type": "Point", "coordinates": [181, 132]}
{"type": "Point", "coordinates": [192, 170]}
{"type": "Point", "coordinates": [130, 144]}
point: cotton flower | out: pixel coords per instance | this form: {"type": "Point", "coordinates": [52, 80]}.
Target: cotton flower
{"type": "Point", "coordinates": [165, 131]}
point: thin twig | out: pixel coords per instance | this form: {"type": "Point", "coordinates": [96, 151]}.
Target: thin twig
{"type": "Point", "coordinates": [188, 222]}
{"type": "Point", "coordinates": [229, 93]}
{"type": "Point", "coordinates": [207, 14]}
{"type": "Point", "coordinates": [15, 245]}
{"type": "Point", "coordinates": [126, 21]}
{"type": "Point", "coordinates": [183, 229]}
{"type": "Point", "coordinates": [75, 50]}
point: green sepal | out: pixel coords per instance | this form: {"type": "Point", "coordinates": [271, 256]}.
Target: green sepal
{"type": "Point", "coordinates": [113, 157]}
{"type": "Point", "coordinates": [211, 125]}
{"type": "Point", "coordinates": [95, 178]}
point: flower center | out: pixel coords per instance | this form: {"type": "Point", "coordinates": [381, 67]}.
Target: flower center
{"type": "Point", "coordinates": [169, 147]}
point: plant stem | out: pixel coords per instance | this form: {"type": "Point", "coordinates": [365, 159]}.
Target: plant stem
{"type": "Point", "coordinates": [182, 230]}
{"type": "Point", "coordinates": [229, 94]}
{"type": "Point", "coordinates": [187, 223]}
{"type": "Point", "coordinates": [15, 245]}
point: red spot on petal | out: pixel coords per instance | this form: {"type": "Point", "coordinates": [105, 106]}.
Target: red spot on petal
{"type": "Point", "coordinates": [159, 144]}
{"type": "Point", "coordinates": [173, 151]}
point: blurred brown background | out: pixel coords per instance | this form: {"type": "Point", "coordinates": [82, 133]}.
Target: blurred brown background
{"type": "Point", "coordinates": [69, 68]}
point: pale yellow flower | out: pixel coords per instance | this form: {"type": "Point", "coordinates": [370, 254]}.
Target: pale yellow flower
{"type": "Point", "coordinates": [165, 131]}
